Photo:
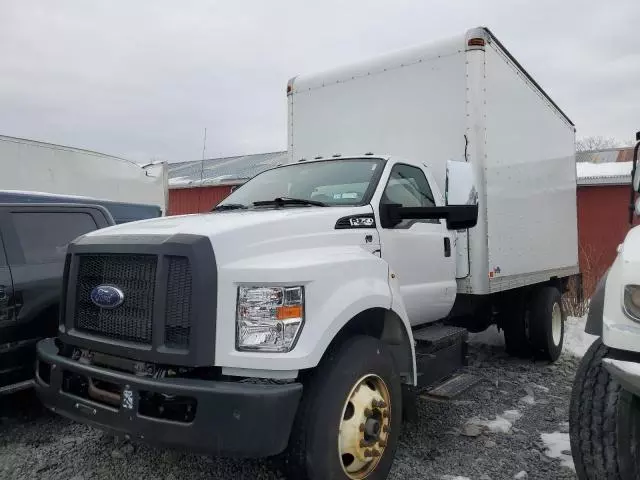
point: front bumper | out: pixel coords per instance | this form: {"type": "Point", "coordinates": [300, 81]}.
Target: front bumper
{"type": "Point", "coordinates": [234, 419]}
{"type": "Point", "coordinates": [626, 373]}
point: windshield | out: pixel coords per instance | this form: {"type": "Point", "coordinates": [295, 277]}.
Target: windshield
{"type": "Point", "coordinates": [332, 182]}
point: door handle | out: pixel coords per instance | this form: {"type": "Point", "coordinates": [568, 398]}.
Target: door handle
{"type": "Point", "coordinates": [447, 247]}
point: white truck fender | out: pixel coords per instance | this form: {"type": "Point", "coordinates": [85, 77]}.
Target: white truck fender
{"type": "Point", "coordinates": [397, 307]}
{"type": "Point", "coordinates": [364, 295]}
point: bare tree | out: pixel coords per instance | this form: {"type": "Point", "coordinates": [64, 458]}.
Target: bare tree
{"type": "Point", "coordinates": [598, 143]}
{"type": "Point", "coordinates": [592, 267]}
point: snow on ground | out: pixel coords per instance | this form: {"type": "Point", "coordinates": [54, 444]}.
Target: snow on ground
{"type": "Point", "coordinates": [528, 399]}
{"type": "Point", "coordinates": [558, 446]}
{"type": "Point", "coordinates": [453, 477]}
{"type": "Point", "coordinates": [576, 340]}
{"type": "Point", "coordinates": [491, 336]}
{"type": "Point", "coordinates": [501, 424]}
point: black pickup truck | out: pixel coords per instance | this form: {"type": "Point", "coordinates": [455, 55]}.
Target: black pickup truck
{"type": "Point", "coordinates": [33, 244]}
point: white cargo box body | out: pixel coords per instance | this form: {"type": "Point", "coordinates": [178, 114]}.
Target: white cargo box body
{"type": "Point", "coordinates": [32, 166]}
{"type": "Point", "coordinates": [455, 101]}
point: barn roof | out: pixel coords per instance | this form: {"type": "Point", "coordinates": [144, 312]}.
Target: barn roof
{"type": "Point", "coordinates": [609, 173]}
{"type": "Point", "coordinates": [606, 155]}
{"type": "Point", "coordinates": [598, 167]}
{"type": "Point", "coordinates": [222, 171]}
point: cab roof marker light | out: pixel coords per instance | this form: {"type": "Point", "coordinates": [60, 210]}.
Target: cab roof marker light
{"type": "Point", "coordinates": [369, 153]}
{"type": "Point", "coordinates": [318, 157]}
{"type": "Point", "coordinates": [476, 42]}
{"type": "Point", "coordinates": [336, 155]}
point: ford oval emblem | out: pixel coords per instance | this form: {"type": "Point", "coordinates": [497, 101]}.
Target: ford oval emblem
{"type": "Point", "coordinates": [107, 296]}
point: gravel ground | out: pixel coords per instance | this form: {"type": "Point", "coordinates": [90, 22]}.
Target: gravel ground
{"type": "Point", "coordinates": [450, 441]}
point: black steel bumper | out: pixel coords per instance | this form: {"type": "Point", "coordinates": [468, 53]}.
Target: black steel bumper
{"type": "Point", "coordinates": [234, 419]}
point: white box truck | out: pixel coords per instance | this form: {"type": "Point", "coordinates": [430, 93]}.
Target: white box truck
{"type": "Point", "coordinates": [429, 192]}
{"type": "Point", "coordinates": [33, 167]}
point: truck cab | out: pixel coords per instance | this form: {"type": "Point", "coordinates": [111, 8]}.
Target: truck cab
{"type": "Point", "coordinates": [173, 325]}
{"type": "Point", "coordinates": [33, 243]}
{"type": "Point", "coordinates": [605, 399]}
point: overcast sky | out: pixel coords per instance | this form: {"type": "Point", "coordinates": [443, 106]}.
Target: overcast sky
{"type": "Point", "coordinates": [142, 79]}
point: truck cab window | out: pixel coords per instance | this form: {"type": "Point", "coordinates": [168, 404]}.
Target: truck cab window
{"type": "Point", "coordinates": [408, 187]}
{"type": "Point", "coordinates": [59, 229]}
{"type": "Point", "coordinates": [333, 182]}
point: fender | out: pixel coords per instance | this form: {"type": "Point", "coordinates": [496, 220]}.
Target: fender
{"type": "Point", "coordinates": [397, 329]}
{"type": "Point", "coordinates": [596, 308]}
{"type": "Point", "coordinates": [328, 315]}
{"type": "Point", "coordinates": [397, 306]}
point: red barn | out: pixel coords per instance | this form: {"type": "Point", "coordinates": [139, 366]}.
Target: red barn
{"type": "Point", "coordinates": [198, 186]}
{"type": "Point", "coordinates": [604, 182]}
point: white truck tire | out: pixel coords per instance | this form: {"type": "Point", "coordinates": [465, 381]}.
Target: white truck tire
{"type": "Point", "coordinates": [349, 420]}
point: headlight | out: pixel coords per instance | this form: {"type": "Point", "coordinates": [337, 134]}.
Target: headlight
{"type": "Point", "coordinates": [269, 318]}
{"type": "Point", "coordinates": [632, 301]}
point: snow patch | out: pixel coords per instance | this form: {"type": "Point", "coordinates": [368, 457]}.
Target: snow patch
{"type": "Point", "coordinates": [491, 336]}
{"type": "Point", "coordinates": [453, 477]}
{"type": "Point", "coordinates": [576, 340]}
{"type": "Point", "coordinates": [557, 443]}
{"type": "Point", "coordinates": [529, 400]}
{"type": "Point", "coordinates": [540, 387]}
{"type": "Point", "coordinates": [512, 415]}
{"type": "Point", "coordinates": [501, 424]}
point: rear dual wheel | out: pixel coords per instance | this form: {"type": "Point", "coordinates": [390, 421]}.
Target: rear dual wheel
{"type": "Point", "coordinates": [536, 331]}
{"type": "Point", "coordinates": [348, 423]}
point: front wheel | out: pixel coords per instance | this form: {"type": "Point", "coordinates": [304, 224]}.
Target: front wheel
{"type": "Point", "coordinates": [604, 422]}
{"type": "Point", "coordinates": [349, 420]}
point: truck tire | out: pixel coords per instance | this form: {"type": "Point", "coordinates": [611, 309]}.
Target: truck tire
{"type": "Point", "coordinates": [546, 323]}
{"type": "Point", "coordinates": [513, 321]}
{"type": "Point", "coordinates": [604, 422]}
{"type": "Point", "coordinates": [349, 420]}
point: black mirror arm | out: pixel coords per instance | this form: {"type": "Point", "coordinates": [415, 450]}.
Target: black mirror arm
{"type": "Point", "coordinates": [632, 198]}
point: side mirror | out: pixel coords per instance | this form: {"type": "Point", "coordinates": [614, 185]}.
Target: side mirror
{"type": "Point", "coordinates": [458, 217]}
{"type": "Point", "coordinates": [390, 215]}
{"type": "Point", "coordinates": [460, 186]}
{"type": "Point", "coordinates": [635, 170]}
{"type": "Point", "coordinates": [635, 180]}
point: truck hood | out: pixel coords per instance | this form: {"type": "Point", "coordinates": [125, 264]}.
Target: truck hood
{"type": "Point", "coordinates": [246, 233]}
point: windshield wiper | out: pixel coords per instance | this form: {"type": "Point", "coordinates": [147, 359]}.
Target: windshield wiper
{"type": "Point", "coordinates": [229, 206]}
{"type": "Point", "coordinates": [281, 201]}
